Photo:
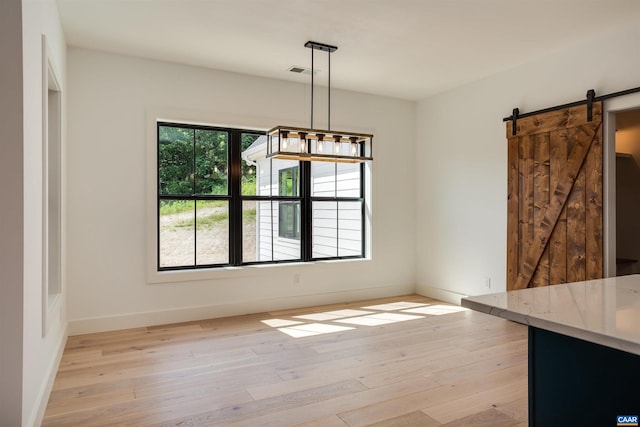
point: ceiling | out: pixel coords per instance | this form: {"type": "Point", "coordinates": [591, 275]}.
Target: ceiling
{"type": "Point", "coordinates": [408, 49]}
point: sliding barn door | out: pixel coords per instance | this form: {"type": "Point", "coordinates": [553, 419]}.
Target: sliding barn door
{"type": "Point", "coordinates": [554, 223]}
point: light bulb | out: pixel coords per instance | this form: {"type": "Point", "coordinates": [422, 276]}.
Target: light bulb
{"type": "Point", "coordinates": [285, 140]}
{"type": "Point", "coordinates": [303, 140]}
{"type": "Point", "coordinates": [320, 142]}
{"type": "Point", "coordinates": [354, 146]}
{"type": "Point", "coordinates": [337, 138]}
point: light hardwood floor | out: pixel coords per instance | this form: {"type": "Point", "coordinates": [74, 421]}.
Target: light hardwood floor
{"type": "Point", "coordinates": [441, 367]}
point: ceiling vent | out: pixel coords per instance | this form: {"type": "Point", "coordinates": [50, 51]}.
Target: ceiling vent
{"type": "Point", "coordinates": [301, 70]}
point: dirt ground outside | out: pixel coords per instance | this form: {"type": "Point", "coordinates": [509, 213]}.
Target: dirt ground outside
{"type": "Point", "coordinates": [212, 234]}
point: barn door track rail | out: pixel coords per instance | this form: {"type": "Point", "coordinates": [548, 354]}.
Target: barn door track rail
{"type": "Point", "coordinates": [588, 101]}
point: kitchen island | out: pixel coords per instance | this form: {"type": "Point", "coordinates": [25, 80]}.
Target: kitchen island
{"type": "Point", "coordinates": [584, 348]}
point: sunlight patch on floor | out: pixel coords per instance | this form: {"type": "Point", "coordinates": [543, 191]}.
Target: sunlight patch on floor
{"type": "Point", "coordinates": [309, 329]}
{"type": "Point", "coordinates": [330, 315]}
{"type": "Point", "coordinates": [277, 323]}
{"type": "Point", "coordinates": [394, 306]}
{"type": "Point", "coordinates": [379, 319]}
{"type": "Point", "coordinates": [436, 310]}
{"type": "Point", "coordinates": [374, 315]}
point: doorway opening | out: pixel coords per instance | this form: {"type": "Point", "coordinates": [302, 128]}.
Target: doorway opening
{"type": "Point", "coordinates": [627, 188]}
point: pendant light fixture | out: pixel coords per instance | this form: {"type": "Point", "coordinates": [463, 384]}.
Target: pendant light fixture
{"type": "Point", "coordinates": [294, 143]}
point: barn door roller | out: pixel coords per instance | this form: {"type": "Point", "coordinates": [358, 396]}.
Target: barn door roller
{"type": "Point", "coordinates": [514, 124]}
{"type": "Point", "coordinates": [591, 94]}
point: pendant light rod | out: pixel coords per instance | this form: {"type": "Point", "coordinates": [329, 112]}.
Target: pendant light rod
{"type": "Point", "coordinates": [329, 49]}
{"type": "Point", "coordinates": [312, 85]}
{"type": "Point", "coordinates": [329, 94]}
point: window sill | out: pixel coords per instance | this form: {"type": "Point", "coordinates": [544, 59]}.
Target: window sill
{"type": "Point", "coordinates": [175, 276]}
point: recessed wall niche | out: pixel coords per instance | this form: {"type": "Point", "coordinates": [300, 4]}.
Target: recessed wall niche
{"type": "Point", "coordinates": [51, 189]}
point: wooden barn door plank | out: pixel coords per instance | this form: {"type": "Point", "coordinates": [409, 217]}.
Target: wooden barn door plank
{"type": "Point", "coordinates": [513, 203]}
{"type": "Point", "coordinates": [558, 243]}
{"type": "Point", "coordinates": [576, 242]}
{"type": "Point", "coordinates": [555, 120]}
{"type": "Point", "coordinates": [541, 202]}
{"type": "Point", "coordinates": [594, 219]}
{"type": "Point", "coordinates": [526, 196]}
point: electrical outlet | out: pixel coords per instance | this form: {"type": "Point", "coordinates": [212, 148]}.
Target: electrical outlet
{"type": "Point", "coordinates": [487, 282]}
{"type": "Point", "coordinates": [296, 279]}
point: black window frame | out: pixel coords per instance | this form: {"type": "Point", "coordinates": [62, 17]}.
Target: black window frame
{"type": "Point", "coordinates": [235, 200]}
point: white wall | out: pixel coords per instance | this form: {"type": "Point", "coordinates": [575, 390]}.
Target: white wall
{"type": "Point", "coordinates": [11, 224]}
{"type": "Point", "coordinates": [41, 354]}
{"type": "Point", "coordinates": [109, 99]}
{"type": "Point", "coordinates": [462, 157]}
{"type": "Point", "coordinates": [28, 362]}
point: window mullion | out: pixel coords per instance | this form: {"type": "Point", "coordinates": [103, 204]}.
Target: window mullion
{"type": "Point", "coordinates": [195, 231]}
{"type": "Point", "coordinates": [307, 212]}
{"type": "Point", "coordinates": [235, 204]}
{"type": "Point", "coordinates": [363, 223]}
{"type": "Point", "coordinates": [158, 193]}
{"type": "Point", "coordinates": [195, 202]}
{"type": "Point", "coordinates": [335, 182]}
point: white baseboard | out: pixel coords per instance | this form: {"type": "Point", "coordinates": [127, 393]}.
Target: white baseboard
{"type": "Point", "coordinates": [440, 294]}
{"type": "Point", "coordinates": [37, 415]}
{"type": "Point", "coordinates": [161, 317]}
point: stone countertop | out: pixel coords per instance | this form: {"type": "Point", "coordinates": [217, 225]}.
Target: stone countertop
{"type": "Point", "coordinates": [604, 311]}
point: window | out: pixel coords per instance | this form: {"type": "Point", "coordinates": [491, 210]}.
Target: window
{"type": "Point", "coordinates": [289, 213]}
{"type": "Point", "coordinates": [337, 210]}
{"type": "Point", "coordinates": [193, 206]}
{"type": "Point", "coordinates": [221, 202]}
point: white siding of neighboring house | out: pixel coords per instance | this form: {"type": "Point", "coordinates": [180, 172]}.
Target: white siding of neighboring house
{"type": "Point", "coordinates": [336, 219]}
{"type": "Point", "coordinates": [334, 223]}
{"type": "Point", "coordinates": [267, 216]}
